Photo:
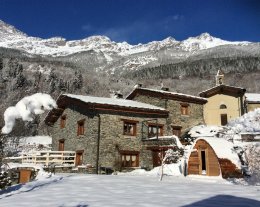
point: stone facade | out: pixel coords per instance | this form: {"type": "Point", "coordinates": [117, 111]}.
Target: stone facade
{"type": "Point", "coordinates": [194, 117]}
{"type": "Point", "coordinates": [112, 140]}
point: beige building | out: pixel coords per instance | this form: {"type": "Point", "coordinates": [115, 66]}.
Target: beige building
{"type": "Point", "coordinates": [224, 102]}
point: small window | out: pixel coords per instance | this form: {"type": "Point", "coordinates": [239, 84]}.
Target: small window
{"type": "Point", "coordinates": [184, 109]}
{"type": "Point", "coordinates": [61, 145]}
{"type": "Point", "coordinates": [81, 128]}
{"type": "Point", "coordinates": [176, 130]}
{"type": "Point", "coordinates": [152, 130]}
{"type": "Point", "coordinates": [129, 127]}
{"type": "Point", "coordinates": [63, 121]}
{"type": "Point", "coordinates": [223, 106]}
{"type": "Point", "coordinates": [130, 159]}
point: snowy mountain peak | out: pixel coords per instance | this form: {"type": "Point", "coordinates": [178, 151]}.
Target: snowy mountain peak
{"type": "Point", "coordinates": [169, 40]}
{"type": "Point", "coordinates": [97, 38]}
{"type": "Point", "coordinates": [6, 29]}
{"type": "Point", "coordinates": [10, 37]}
{"type": "Point", "coordinates": [205, 36]}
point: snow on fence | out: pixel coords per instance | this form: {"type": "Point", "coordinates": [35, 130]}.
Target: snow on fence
{"type": "Point", "coordinates": [57, 158]}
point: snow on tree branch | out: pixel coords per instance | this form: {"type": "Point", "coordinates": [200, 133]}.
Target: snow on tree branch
{"type": "Point", "coordinates": [26, 108]}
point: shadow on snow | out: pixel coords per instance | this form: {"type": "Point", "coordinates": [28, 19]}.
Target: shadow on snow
{"type": "Point", "coordinates": [225, 200]}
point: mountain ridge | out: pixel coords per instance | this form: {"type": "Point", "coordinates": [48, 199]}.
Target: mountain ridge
{"type": "Point", "coordinates": [59, 46]}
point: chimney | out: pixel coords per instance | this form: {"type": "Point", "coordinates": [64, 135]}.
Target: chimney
{"type": "Point", "coordinates": [165, 89]}
{"type": "Point", "coordinates": [116, 94]}
{"type": "Point", "coordinates": [139, 85]}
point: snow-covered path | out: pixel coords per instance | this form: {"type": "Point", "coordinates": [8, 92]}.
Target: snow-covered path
{"type": "Point", "coordinates": [101, 190]}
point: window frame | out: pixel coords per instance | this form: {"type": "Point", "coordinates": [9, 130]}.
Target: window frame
{"type": "Point", "coordinates": [176, 129]}
{"type": "Point", "coordinates": [223, 106]}
{"type": "Point", "coordinates": [61, 145]}
{"type": "Point", "coordinates": [130, 122]}
{"type": "Point", "coordinates": [185, 109]}
{"type": "Point", "coordinates": [131, 154]}
{"type": "Point", "coordinates": [81, 127]}
{"type": "Point", "coordinates": [63, 121]}
{"type": "Point", "coordinates": [154, 125]}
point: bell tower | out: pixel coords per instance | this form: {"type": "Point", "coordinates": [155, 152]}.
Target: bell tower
{"type": "Point", "coordinates": [219, 78]}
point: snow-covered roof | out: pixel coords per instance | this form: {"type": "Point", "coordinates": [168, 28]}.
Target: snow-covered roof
{"type": "Point", "coordinates": [252, 97]}
{"type": "Point", "coordinates": [114, 102]}
{"type": "Point", "coordinates": [177, 140]}
{"type": "Point", "coordinates": [44, 140]}
{"type": "Point", "coordinates": [205, 131]}
{"type": "Point", "coordinates": [223, 89]}
{"type": "Point", "coordinates": [223, 149]}
{"type": "Point", "coordinates": [175, 94]}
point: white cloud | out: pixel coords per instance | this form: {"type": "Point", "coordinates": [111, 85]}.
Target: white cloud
{"type": "Point", "coordinates": [138, 29]}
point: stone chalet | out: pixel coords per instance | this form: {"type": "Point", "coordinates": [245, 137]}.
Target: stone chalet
{"type": "Point", "coordinates": [109, 132]}
{"type": "Point", "coordinates": [185, 111]}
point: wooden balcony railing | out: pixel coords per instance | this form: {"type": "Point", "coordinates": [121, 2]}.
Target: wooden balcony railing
{"type": "Point", "coordinates": [47, 158]}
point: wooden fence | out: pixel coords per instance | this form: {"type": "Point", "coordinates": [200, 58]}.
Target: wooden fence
{"type": "Point", "coordinates": [57, 158]}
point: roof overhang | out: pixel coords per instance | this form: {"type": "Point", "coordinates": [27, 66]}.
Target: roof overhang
{"type": "Point", "coordinates": [64, 102]}
{"type": "Point", "coordinates": [166, 95]}
{"type": "Point", "coordinates": [225, 90]}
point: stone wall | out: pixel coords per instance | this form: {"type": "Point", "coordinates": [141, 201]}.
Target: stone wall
{"type": "Point", "coordinates": [195, 116]}
{"type": "Point", "coordinates": [73, 142]}
{"type": "Point", "coordinates": [112, 140]}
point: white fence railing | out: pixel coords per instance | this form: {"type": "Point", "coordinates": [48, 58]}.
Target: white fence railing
{"type": "Point", "coordinates": [61, 158]}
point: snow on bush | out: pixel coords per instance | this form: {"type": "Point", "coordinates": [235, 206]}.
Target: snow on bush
{"type": "Point", "coordinates": [252, 154]}
{"type": "Point", "coordinates": [16, 146]}
{"type": "Point", "coordinates": [249, 122]}
{"type": "Point", "coordinates": [26, 108]}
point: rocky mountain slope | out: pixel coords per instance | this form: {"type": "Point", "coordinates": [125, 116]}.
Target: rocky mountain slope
{"type": "Point", "coordinates": [112, 57]}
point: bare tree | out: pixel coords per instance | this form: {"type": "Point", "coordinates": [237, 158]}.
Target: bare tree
{"type": "Point", "coordinates": [171, 156]}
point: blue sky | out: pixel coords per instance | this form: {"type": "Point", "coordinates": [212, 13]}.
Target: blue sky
{"type": "Point", "coordinates": [135, 21]}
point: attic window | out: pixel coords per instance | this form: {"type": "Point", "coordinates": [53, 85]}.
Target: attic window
{"type": "Point", "coordinates": [223, 106]}
{"type": "Point", "coordinates": [81, 127]}
{"type": "Point", "coordinates": [63, 121]}
{"type": "Point", "coordinates": [184, 109]}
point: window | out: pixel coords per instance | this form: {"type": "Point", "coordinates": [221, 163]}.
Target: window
{"type": "Point", "coordinates": [61, 145]}
{"type": "Point", "coordinates": [81, 127]}
{"type": "Point", "coordinates": [223, 106]}
{"type": "Point", "coordinates": [129, 127]}
{"type": "Point", "coordinates": [152, 130]}
{"type": "Point", "coordinates": [63, 121]}
{"type": "Point", "coordinates": [130, 159]}
{"type": "Point", "coordinates": [176, 130]}
{"type": "Point", "coordinates": [184, 109]}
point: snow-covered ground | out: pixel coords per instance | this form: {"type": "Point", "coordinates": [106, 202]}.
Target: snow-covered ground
{"type": "Point", "coordinates": [125, 190]}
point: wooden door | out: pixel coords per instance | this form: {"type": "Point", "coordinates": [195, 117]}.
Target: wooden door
{"type": "Point", "coordinates": [25, 176]}
{"type": "Point", "coordinates": [156, 158]}
{"type": "Point", "coordinates": [223, 118]}
{"type": "Point", "coordinates": [79, 158]}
